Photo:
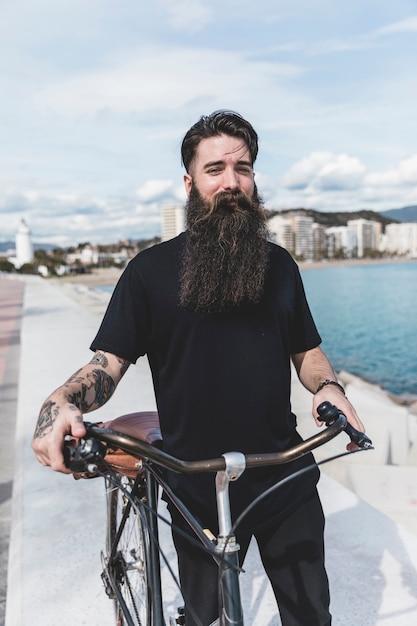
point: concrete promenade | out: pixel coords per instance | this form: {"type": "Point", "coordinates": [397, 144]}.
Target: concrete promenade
{"type": "Point", "coordinates": [11, 298]}
{"type": "Point", "coordinates": [58, 524]}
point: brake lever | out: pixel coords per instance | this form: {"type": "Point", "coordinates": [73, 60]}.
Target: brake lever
{"type": "Point", "coordinates": [357, 437]}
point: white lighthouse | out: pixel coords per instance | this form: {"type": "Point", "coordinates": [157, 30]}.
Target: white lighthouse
{"type": "Point", "coordinates": [24, 248]}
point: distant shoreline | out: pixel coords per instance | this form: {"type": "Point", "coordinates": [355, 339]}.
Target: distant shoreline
{"type": "Point", "coordinates": [99, 277]}
{"type": "Point", "coordinates": [102, 277]}
{"type": "Point", "coordinates": [315, 265]}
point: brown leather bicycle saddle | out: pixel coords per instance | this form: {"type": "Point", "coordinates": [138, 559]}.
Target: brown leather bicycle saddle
{"type": "Point", "coordinates": [143, 425]}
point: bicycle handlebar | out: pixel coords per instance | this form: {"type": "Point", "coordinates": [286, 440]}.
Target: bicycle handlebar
{"type": "Point", "coordinates": [91, 450]}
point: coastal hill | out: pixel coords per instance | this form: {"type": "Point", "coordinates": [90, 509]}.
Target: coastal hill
{"type": "Point", "coordinates": [406, 214]}
{"type": "Point", "coordinates": [338, 218]}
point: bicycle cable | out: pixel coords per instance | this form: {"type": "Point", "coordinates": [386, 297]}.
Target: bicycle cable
{"type": "Point", "coordinates": [287, 479]}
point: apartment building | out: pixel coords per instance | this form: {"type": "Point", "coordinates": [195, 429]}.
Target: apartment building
{"type": "Point", "coordinates": [281, 232]}
{"type": "Point", "coordinates": [400, 239]}
{"type": "Point", "coordinates": [173, 221]}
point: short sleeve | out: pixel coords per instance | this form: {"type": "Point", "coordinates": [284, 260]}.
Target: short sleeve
{"type": "Point", "coordinates": [124, 330]}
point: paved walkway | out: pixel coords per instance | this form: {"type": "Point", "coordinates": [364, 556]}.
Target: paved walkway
{"type": "Point", "coordinates": [58, 523]}
{"type": "Point", "coordinates": [11, 298]}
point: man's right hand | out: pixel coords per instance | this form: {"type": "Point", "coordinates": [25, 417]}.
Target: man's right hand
{"type": "Point", "coordinates": [56, 420]}
{"type": "Point", "coordinates": [62, 413]}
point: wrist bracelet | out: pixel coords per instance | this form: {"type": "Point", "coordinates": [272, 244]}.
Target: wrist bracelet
{"type": "Point", "coordinates": [330, 382]}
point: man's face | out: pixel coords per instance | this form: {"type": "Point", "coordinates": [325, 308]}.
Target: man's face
{"type": "Point", "coordinates": [225, 257]}
{"type": "Point", "coordinates": [221, 164]}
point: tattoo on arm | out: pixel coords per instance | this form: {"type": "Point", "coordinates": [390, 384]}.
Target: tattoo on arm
{"type": "Point", "coordinates": [46, 419]}
{"type": "Point", "coordinates": [124, 365]}
{"type": "Point", "coordinates": [100, 359]}
{"type": "Point", "coordinates": [74, 378]}
{"type": "Point", "coordinates": [96, 388]}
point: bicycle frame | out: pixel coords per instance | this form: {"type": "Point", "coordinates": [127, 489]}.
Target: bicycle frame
{"type": "Point", "coordinates": [227, 468]}
{"type": "Point", "coordinates": [152, 498]}
{"type": "Point", "coordinates": [225, 547]}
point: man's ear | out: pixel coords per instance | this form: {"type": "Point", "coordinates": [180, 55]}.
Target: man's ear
{"type": "Point", "coordinates": [188, 182]}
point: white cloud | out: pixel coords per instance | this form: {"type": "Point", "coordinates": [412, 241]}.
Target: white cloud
{"type": "Point", "coordinates": [69, 219]}
{"type": "Point", "coordinates": [155, 190]}
{"type": "Point", "coordinates": [324, 170]}
{"type": "Point", "coordinates": [403, 174]}
{"type": "Point", "coordinates": [408, 170]}
{"type": "Point", "coordinates": [190, 15]}
{"type": "Point", "coordinates": [363, 41]}
{"type": "Point", "coordinates": [160, 78]}
{"type": "Point", "coordinates": [409, 25]}
{"type": "Point", "coordinates": [328, 182]}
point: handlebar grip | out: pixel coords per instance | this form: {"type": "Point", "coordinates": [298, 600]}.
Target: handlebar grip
{"type": "Point", "coordinates": [328, 412]}
{"type": "Point", "coordinates": [85, 456]}
{"type": "Point", "coordinates": [359, 438]}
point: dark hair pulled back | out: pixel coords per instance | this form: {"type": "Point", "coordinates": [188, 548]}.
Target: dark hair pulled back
{"type": "Point", "coordinates": [218, 123]}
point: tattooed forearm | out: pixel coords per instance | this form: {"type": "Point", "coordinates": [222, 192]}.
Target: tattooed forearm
{"type": "Point", "coordinates": [74, 378]}
{"type": "Point", "coordinates": [100, 359]}
{"type": "Point", "coordinates": [46, 419]}
{"type": "Point", "coordinates": [124, 365]}
{"type": "Point", "coordinates": [96, 388]}
{"type": "Point", "coordinates": [104, 387]}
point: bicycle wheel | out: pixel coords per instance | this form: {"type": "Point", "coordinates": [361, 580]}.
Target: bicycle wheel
{"type": "Point", "coordinates": [127, 560]}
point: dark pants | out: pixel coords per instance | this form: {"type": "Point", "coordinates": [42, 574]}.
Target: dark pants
{"type": "Point", "coordinates": [292, 553]}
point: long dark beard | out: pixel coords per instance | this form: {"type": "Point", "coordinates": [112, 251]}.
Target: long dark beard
{"type": "Point", "coordinates": [226, 252]}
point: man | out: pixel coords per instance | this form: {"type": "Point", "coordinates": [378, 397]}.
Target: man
{"type": "Point", "coordinates": [220, 313]}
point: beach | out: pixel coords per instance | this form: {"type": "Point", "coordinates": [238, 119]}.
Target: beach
{"type": "Point", "coordinates": [99, 277]}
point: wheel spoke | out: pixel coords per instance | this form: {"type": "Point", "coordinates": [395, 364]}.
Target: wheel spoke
{"type": "Point", "coordinates": [126, 564]}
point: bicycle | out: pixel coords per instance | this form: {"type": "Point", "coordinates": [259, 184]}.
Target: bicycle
{"type": "Point", "coordinates": [130, 465]}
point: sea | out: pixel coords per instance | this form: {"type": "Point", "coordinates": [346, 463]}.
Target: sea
{"type": "Point", "coordinates": [367, 318]}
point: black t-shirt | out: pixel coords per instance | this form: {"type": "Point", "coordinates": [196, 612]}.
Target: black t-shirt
{"type": "Point", "coordinates": [222, 382]}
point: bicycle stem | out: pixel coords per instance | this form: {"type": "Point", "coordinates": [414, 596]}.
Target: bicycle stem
{"type": "Point", "coordinates": [232, 613]}
{"type": "Point", "coordinates": [235, 466]}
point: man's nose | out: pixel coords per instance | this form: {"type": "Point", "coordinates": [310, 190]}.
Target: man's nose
{"type": "Point", "coordinates": [230, 179]}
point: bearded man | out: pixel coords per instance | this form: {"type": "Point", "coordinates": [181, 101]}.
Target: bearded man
{"type": "Point", "coordinates": [220, 313]}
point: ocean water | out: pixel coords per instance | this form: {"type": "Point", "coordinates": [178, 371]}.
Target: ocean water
{"type": "Point", "coordinates": [367, 317]}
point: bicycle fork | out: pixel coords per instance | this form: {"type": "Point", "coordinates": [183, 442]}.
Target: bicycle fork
{"type": "Point", "coordinates": [231, 613]}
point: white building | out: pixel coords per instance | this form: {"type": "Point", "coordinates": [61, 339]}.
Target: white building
{"type": "Point", "coordinates": [88, 255]}
{"type": "Point", "coordinates": [303, 229]}
{"type": "Point", "coordinates": [319, 241]}
{"type": "Point", "coordinates": [401, 239]}
{"type": "Point", "coordinates": [24, 248]}
{"type": "Point", "coordinates": [366, 235]}
{"type": "Point", "coordinates": [173, 221]}
{"type": "Point", "coordinates": [341, 239]}
{"type": "Point", "coordinates": [281, 232]}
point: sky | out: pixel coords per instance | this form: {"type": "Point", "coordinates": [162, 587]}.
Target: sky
{"type": "Point", "coordinates": [96, 96]}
